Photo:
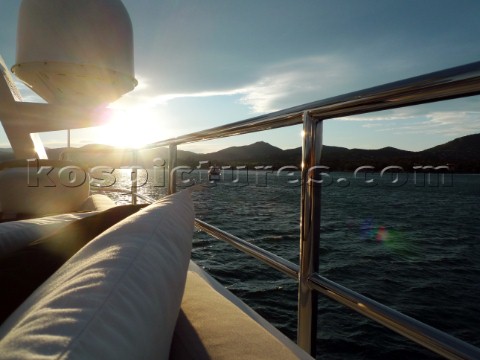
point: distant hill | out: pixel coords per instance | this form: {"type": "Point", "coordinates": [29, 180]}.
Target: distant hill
{"type": "Point", "coordinates": [259, 153]}
{"type": "Point", "coordinates": [462, 154]}
{"type": "Point", "coordinates": [6, 154]}
{"type": "Point", "coordinates": [466, 145]}
{"type": "Point", "coordinates": [97, 154]}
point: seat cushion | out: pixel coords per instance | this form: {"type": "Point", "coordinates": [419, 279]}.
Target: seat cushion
{"type": "Point", "coordinates": [117, 298]}
{"type": "Point", "coordinates": [97, 202]}
{"type": "Point", "coordinates": [210, 326]}
{"type": "Point", "coordinates": [15, 235]}
{"type": "Point", "coordinates": [42, 187]}
{"type": "Point", "coordinates": [24, 270]}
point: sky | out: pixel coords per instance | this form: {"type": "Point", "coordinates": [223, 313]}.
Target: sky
{"type": "Point", "coordinates": [202, 64]}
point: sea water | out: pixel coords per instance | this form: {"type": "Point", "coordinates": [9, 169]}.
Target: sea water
{"type": "Point", "coordinates": [413, 245]}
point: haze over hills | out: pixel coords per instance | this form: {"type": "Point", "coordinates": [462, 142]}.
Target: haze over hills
{"type": "Point", "coordinates": [461, 153]}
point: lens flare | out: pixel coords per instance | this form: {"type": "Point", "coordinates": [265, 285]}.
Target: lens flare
{"type": "Point", "coordinates": [390, 239]}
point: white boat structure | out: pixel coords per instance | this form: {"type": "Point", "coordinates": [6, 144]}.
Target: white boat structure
{"type": "Point", "coordinates": [214, 173]}
{"type": "Point", "coordinates": [130, 291]}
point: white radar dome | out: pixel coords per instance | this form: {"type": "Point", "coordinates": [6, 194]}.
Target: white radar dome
{"type": "Point", "coordinates": [75, 52]}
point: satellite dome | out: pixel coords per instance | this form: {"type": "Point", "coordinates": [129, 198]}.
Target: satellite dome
{"type": "Point", "coordinates": [75, 52]}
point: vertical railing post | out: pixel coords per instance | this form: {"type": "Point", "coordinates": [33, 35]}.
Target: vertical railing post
{"type": "Point", "coordinates": [134, 177]}
{"type": "Point", "coordinates": [134, 187]}
{"type": "Point", "coordinates": [309, 233]}
{"type": "Point", "coordinates": [172, 164]}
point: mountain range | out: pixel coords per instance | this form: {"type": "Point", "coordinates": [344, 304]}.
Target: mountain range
{"type": "Point", "coordinates": [461, 154]}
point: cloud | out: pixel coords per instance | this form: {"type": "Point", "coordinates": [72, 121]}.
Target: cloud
{"type": "Point", "coordinates": [452, 118]}
{"type": "Point", "coordinates": [142, 97]}
{"type": "Point", "coordinates": [297, 81]}
{"type": "Point", "coordinates": [371, 125]}
{"type": "Point", "coordinates": [280, 86]}
{"type": "Point", "coordinates": [443, 123]}
{"type": "Point", "coordinates": [284, 84]}
{"type": "Point", "coordinates": [453, 123]}
{"type": "Point", "coordinates": [163, 99]}
{"type": "Point", "coordinates": [388, 115]}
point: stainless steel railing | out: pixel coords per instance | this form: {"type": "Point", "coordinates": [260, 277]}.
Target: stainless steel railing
{"type": "Point", "coordinates": [425, 335]}
{"type": "Point", "coordinates": [272, 260]}
{"type": "Point", "coordinates": [443, 85]}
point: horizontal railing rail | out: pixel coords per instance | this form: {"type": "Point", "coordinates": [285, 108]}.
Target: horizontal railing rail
{"type": "Point", "coordinates": [265, 256]}
{"type": "Point", "coordinates": [428, 336]}
{"type": "Point", "coordinates": [124, 191]}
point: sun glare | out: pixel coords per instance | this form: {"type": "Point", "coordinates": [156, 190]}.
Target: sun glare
{"type": "Point", "coordinates": [132, 128]}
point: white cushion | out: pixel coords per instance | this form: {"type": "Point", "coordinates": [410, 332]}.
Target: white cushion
{"type": "Point", "coordinates": [97, 202]}
{"type": "Point", "coordinates": [15, 235]}
{"type": "Point", "coordinates": [64, 189]}
{"type": "Point", "coordinates": [117, 298]}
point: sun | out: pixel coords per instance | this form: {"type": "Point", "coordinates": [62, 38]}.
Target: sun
{"type": "Point", "coordinates": [132, 128]}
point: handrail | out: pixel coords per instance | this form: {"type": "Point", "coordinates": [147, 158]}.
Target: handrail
{"type": "Point", "coordinates": [428, 336]}
{"type": "Point", "coordinates": [125, 191]}
{"type": "Point", "coordinates": [265, 256]}
{"type": "Point", "coordinates": [425, 335]}
{"type": "Point", "coordinates": [447, 84]}
{"type": "Point", "coordinates": [109, 189]}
